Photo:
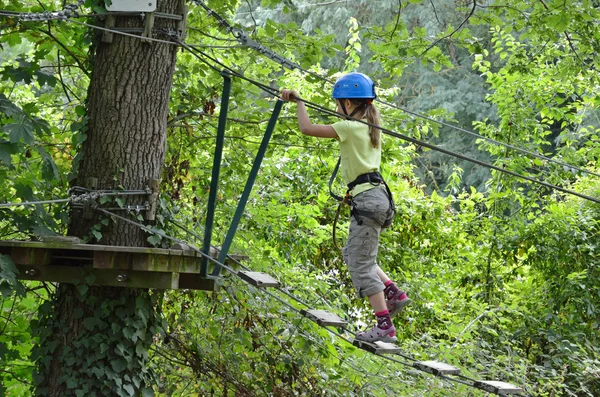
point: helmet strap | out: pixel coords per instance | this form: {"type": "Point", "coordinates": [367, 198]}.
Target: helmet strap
{"type": "Point", "coordinates": [344, 108]}
{"type": "Point", "coordinates": [356, 109]}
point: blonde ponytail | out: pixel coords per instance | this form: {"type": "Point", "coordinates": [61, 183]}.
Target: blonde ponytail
{"type": "Point", "coordinates": [373, 117]}
{"type": "Point", "coordinates": [371, 113]}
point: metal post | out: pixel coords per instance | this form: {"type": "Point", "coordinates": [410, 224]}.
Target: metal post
{"type": "Point", "coordinates": [248, 188]}
{"type": "Point", "coordinates": [214, 181]}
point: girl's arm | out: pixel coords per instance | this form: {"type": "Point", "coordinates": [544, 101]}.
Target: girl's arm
{"type": "Point", "coordinates": [306, 127]}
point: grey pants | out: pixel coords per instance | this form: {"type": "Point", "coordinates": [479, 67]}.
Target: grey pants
{"type": "Point", "coordinates": [360, 252]}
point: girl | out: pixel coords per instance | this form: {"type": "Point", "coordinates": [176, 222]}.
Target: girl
{"type": "Point", "coordinates": [372, 206]}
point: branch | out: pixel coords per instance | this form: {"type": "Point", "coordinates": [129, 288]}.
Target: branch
{"type": "Point", "coordinates": [568, 39]}
{"type": "Point", "coordinates": [9, 316]}
{"type": "Point", "coordinates": [435, 13]}
{"type": "Point", "coordinates": [455, 30]}
{"type": "Point", "coordinates": [62, 83]}
{"type": "Point", "coordinates": [397, 19]}
{"type": "Point", "coordinates": [79, 63]}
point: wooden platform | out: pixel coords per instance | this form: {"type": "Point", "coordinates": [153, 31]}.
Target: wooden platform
{"type": "Point", "coordinates": [66, 260]}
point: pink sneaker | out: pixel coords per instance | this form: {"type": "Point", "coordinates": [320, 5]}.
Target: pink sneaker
{"type": "Point", "coordinates": [397, 303]}
{"type": "Point", "coordinates": [377, 334]}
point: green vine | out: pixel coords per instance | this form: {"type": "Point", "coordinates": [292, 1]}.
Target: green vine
{"type": "Point", "coordinates": [117, 333]}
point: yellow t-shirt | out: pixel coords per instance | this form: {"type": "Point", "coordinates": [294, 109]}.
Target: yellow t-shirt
{"type": "Point", "coordinates": [357, 153]}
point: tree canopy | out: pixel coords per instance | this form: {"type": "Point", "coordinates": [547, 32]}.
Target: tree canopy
{"type": "Point", "coordinates": [503, 272]}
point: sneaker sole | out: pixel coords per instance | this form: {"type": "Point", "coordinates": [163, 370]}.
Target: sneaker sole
{"type": "Point", "coordinates": [401, 305]}
{"type": "Point", "coordinates": [386, 339]}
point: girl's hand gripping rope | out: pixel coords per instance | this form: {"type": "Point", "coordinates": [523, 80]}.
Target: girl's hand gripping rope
{"type": "Point", "coordinates": [289, 95]}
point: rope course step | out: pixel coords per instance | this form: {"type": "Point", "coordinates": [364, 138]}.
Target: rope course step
{"type": "Point", "coordinates": [496, 387]}
{"type": "Point", "coordinates": [436, 368]}
{"type": "Point", "coordinates": [324, 318]}
{"type": "Point", "coordinates": [258, 279]}
{"type": "Point", "coordinates": [378, 347]}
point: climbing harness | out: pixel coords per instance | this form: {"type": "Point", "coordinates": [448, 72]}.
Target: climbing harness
{"type": "Point", "coordinates": [375, 179]}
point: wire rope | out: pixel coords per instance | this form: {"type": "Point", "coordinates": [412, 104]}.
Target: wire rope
{"type": "Point", "coordinates": [316, 107]}
{"type": "Point", "coordinates": [240, 34]}
{"type": "Point", "coordinates": [27, 203]}
{"type": "Point", "coordinates": [279, 299]}
{"type": "Point", "coordinates": [274, 92]}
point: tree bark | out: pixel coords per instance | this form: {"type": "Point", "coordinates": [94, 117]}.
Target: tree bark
{"type": "Point", "coordinates": [94, 340]}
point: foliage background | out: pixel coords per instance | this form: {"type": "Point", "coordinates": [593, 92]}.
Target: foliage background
{"type": "Point", "coordinates": [503, 274]}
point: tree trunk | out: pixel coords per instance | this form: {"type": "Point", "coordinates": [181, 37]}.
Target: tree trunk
{"type": "Point", "coordinates": [94, 341]}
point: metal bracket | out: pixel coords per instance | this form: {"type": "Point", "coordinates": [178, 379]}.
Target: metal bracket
{"type": "Point", "coordinates": [88, 210]}
{"type": "Point", "coordinates": [182, 25]}
{"type": "Point", "coordinates": [109, 23]}
{"type": "Point", "coordinates": [148, 26]}
{"type": "Point", "coordinates": [153, 193]}
{"type": "Point", "coordinates": [244, 39]}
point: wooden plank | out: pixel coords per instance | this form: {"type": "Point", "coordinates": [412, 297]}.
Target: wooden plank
{"type": "Point", "coordinates": [378, 347]}
{"type": "Point", "coordinates": [95, 247]}
{"type": "Point", "coordinates": [59, 253]}
{"type": "Point", "coordinates": [497, 387]}
{"type": "Point", "coordinates": [26, 256]}
{"type": "Point", "coordinates": [194, 281]}
{"type": "Point", "coordinates": [436, 368]}
{"type": "Point", "coordinates": [258, 279]}
{"type": "Point", "coordinates": [105, 277]}
{"type": "Point", "coordinates": [110, 248]}
{"type": "Point", "coordinates": [324, 318]}
{"type": "Point", "coordinates": [61, 239]}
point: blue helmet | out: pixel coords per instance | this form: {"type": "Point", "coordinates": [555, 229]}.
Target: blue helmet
{"type": "Point", "coordinates": [354, 85]}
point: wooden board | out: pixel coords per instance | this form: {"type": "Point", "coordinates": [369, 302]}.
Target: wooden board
{"type": "Point", "coordinates": [436, 368]}
{"type": "Point", "coordinates": [65, 259]}
{"type": "Point", "coordinates": [497, 387]}
{"type": "Point", "coordinates": [105, 277]}
{"type": "Point", "coordinates": [378, 347]}
{"type": "Point", "coordinates": [105, 256]}
{"type": "Point", "coordinates": [324, 318]}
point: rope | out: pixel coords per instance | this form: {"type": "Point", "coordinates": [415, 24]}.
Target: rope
{"type": "Point", "coordinates": [282, 301]}
{"type": "Point", "coordinates": [68, 11]}
{"type": "Point", "coordinates": [79, 199]}
{"type": "Point", "coordinates": [415, 141]}
{"type": "Point", "coordinates": [6, 205]}
{"type": "Point", "coordinates": [244, 39]}
{"type": "Point", "coordinates": [168, 33]}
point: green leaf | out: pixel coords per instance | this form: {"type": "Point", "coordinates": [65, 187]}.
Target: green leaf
{"type": "Point", "coordinates": [18, 132]}
{"type": "Point", "coordinates": [154, 239]}
{"type": "Point", "coordinates": [80, 110]}
{"type": "Point", "coordinates": [18, 74]}
{"type": "Point", "coordinates": [6, 150]}
{"type": "Point", "coordinates": [97, 234]}
{"type": "Point", "coordinates": [147, 392]}
{"type": "Point", "coordinates": [72, 383]}
{"type": "Point", "coordinates": [89, 323]}
{"type": "Point", "coordinates": [118, 365]}
{"type": "Point", "coordinates": [560, 21]}
{"type": "Point", "coordinates": [49, 169]}
{"type": "Point", "coordinates": [24, 192]}
{"type": "Point", "coordinates": [130, 389]}
{"type": "Point", "coordinates": [82, 289]}
{"type": "Point", "coordinates": [8, 277]}
{"type": "Point", "coordinates": [44, 79]}
{"type": "Point", "coordinates": [7, 107]}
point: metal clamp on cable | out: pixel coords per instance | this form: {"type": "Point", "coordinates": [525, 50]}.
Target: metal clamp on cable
{"type": "Point", "coordinates": [245, 40]}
